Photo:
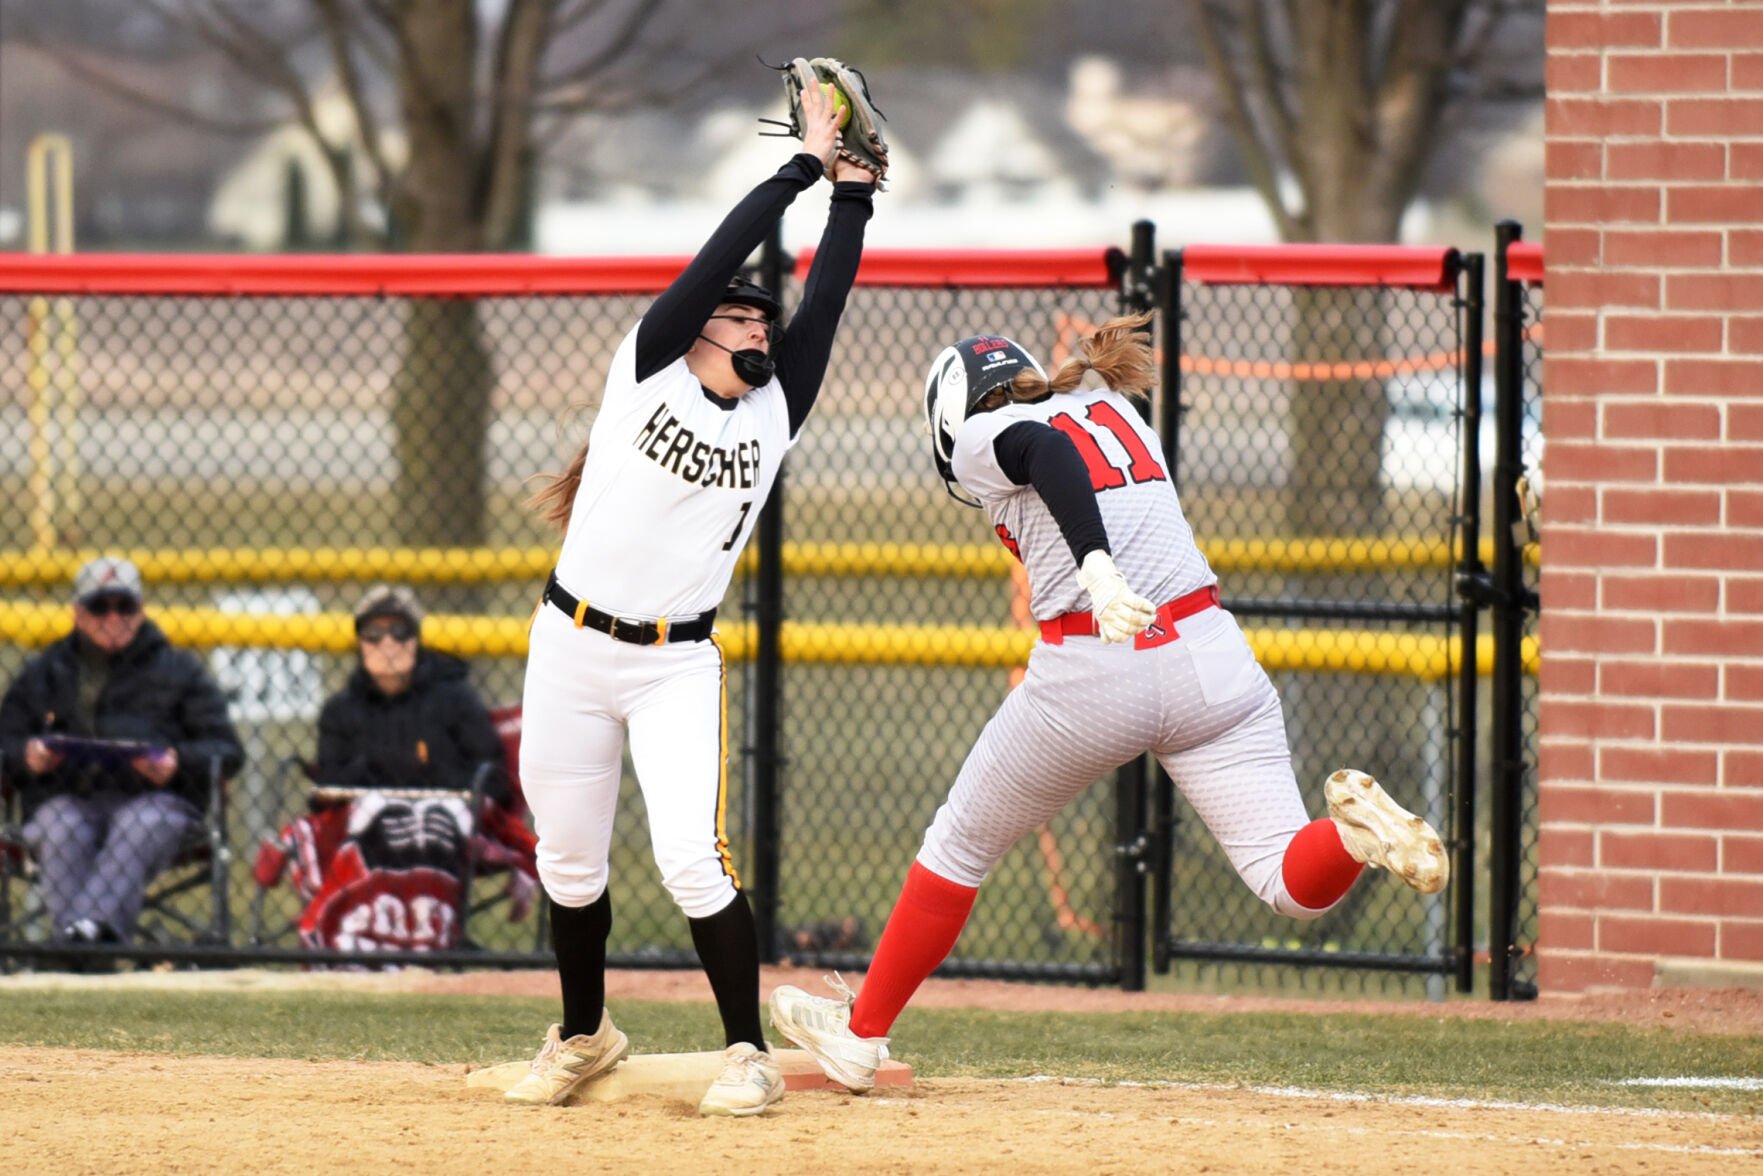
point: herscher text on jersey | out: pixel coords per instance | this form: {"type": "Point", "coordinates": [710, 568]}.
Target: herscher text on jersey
{"type": "Point", "coordinates": [672, 446]}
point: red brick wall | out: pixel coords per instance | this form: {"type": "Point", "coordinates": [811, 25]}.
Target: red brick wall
{"type": "Point", "coordinates": [1652, 677]}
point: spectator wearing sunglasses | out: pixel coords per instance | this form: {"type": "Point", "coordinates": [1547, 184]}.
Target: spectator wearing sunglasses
{"type": "Point", "coordinates": [102, 822]}
{"type": "Point", "coordinates": [408, 717]}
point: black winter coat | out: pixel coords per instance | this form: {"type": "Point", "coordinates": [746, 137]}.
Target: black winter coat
{"type": "Point", "coordinates": [433, 735]}
{"type": "Point", "coordinates": [155, 693]}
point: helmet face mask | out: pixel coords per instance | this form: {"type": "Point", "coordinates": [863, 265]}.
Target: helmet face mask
{"type": "Point", "coordinates": [961, 376]}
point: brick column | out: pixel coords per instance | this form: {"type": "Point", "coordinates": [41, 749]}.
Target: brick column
{"type": "Point", "coordinates": [1651, 774]}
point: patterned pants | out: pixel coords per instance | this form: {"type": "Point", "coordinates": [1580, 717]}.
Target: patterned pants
{"type": "Point", "coordinates": [96, 854]}
{"type": "Point", "coordinates": [1201, 704]}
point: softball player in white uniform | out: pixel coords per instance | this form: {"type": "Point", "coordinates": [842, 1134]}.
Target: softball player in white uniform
{"type": "Point", "coordinates": [702, 400]}
{"type": "Point", "coordinates": [1074, 484]}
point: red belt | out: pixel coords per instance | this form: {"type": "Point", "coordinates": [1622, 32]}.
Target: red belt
{"type": "Point", "coordinates": [1160, 630]}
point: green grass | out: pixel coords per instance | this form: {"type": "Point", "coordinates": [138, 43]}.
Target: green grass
{"type": "Point", "coordinates": [1536, 1061]}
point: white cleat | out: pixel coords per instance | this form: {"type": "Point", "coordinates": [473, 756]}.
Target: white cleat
{"type": "Point", "coordinates": [751, 1080]}
{"type": "Point", "coordinates": [822, 1026]}
{"type": "Point", "coordinates": [1379, 832]}
{"type": "Point", "coordinates": [563, 1066]}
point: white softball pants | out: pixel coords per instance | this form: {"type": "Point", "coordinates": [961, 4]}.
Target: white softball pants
{"type": "Point", "coordinates": [583, 692]}
{"type": "Point", "coordinates": [1201, 704]}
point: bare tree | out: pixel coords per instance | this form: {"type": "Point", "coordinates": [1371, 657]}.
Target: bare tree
{"type": "Point", "coordinates": [451, 104]}
{"type": "Point", "coordinates": [1338, 106]}
{"type": "Point", "coordinates": [1338, 109]}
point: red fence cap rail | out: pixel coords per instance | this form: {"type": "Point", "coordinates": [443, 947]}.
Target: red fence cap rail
{"type": "Point", "coordinates": [488, 275]}
{"type": "Point", "coordinates": [1524, 261]}
{"type": "Point", "coordinates": [416, 274]}
{"type": "Point", "coordinates": [1086, 268]}
{"type": "Point", "coordinates": [1418, 267]}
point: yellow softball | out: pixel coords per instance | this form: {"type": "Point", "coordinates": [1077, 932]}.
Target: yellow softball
{"type": "Point", "coordinates": [840, 101]}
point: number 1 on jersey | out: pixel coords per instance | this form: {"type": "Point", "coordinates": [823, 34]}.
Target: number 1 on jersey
{"type": "Point", "coordinates": [1104, 475]}
{"type": "Point", "coordinates": [739, 523]}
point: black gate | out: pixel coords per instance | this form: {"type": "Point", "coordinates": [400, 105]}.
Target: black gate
{"type": "Point", "coordinates": [1317, 419]}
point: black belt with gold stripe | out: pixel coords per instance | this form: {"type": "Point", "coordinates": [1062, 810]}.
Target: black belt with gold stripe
{"type": "Point", "coordinates": [662, 632]}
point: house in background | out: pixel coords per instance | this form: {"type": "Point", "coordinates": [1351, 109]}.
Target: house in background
{"type": "Point", "coordinates": [1013, 163]}
{"type": "Point", "coordinates": [282, 194]}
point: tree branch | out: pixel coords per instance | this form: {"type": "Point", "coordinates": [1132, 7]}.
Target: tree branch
{"type": "Point", "coordinates": [1275, 94]}
{"type": "Point", "coordinates": [508, 156]}
{"type": "Point", "coordinates": [576, 14]}
{"type": "Point", "coordinates": [106, 81]}
{"type": "Point", "coordinates": [1255, 152]}
{"type": "Point", "coordinates": [1407, 105]}
{"type": "Point", "coordinates": [338, 33]}
{"type": "Point", "coordinates": [618, 45]}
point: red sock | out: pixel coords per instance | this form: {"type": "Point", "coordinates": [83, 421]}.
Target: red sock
{"type": "Point", "coordinates": [922, 929]}
{"type": "Point", "coordinates": [1317, 868]}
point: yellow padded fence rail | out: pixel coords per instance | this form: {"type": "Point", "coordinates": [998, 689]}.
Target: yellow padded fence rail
{"type": "Point", "coordinates": [493, 565]}
{"type": "Point", "coordinates": [1317, 650]}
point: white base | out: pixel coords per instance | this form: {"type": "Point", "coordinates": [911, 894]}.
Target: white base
{"type": "Point", "coordinates": [682, 1076]}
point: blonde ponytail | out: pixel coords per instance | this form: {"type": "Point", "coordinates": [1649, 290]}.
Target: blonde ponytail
{"type": "Point", "coordinates": [1119, 352]}
{"type": "Point", "coordinates": [557, 499]}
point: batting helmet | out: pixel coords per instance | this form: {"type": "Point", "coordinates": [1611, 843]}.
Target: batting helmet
{"type": "Point", "coordinates": [958, 380]}
{"type": "Point", "coordinates": [742, 292]}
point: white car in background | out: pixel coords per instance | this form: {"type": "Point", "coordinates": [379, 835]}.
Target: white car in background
{"type": "Point", "coordinates": [1423, 441]}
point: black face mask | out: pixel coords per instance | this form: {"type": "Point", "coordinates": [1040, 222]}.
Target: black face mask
{"type": "Point", "coordinates": [752, 366]}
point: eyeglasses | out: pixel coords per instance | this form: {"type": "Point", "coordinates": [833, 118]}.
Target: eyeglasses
{"type": "Point", "coordinates": [374, 634]}
{"type": "Point", "coordinates": [103, 606]}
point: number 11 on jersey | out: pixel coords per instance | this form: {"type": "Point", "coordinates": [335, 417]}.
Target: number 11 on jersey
{"type": "Point", "coordinates": [739, 523]}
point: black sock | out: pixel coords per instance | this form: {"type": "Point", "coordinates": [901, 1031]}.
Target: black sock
{"type": "Point", "coordinates": [578, 936]}
{"type": "Point", "coordinates": [728, 947]}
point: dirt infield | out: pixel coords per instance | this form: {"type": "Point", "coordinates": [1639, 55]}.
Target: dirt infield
{"type": "Point", "coordinates": [78, 1111]}
{"type": "Point", "coordinates": [81, 1111]}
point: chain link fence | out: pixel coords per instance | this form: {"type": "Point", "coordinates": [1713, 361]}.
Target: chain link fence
{"type": "Point", "coordinates": [872, 749]}
{"type": "Point", "coordinates": [265, 438]}
{"type": "Point", "coordinates": [1320, 453]}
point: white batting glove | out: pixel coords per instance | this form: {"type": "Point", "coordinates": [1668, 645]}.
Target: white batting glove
{"type": "Point", "coordinates": [1121, 614]}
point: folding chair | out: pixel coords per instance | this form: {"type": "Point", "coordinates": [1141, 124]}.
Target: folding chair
{"type": "Point", "coordinates": [322, 840]}
{"type": "Point", "coordinates": [201, 864]}
{"type": "Point", "coordinates": [507, 721]}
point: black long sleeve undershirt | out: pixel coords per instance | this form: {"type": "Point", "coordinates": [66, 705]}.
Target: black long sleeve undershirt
{"type": "Point", "coordinates": [808, 340]}
{"type": "Point", "coordinates": [679, 313]}
{"type": "Point", "coordinates": [1033, 454]}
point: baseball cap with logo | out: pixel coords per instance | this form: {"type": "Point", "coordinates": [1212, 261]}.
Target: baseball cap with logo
{"type": "Point", "coordinates": [109, 575]}
{"type": "Point", "coordinates": [388, 600]}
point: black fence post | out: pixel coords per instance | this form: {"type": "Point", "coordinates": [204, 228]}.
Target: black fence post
{"type": "Point", "coordinates": [1167, 289]}
{"type": "Point", "coordinates": [765, 605]}
{"type": "Point", "coordinates": [1472, 587]}
{"type": "Point", "coordinates": [1506, 754]}
{"type": "Point", "coordinates": [1132, 844]}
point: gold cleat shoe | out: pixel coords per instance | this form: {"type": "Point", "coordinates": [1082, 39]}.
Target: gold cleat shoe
{"type": "Point", "coordinates": [563, 1066]}
{"type": "Point", "coordinates": [751, 1080]}
{"type": "Point", "coordinates": [1379, 832]}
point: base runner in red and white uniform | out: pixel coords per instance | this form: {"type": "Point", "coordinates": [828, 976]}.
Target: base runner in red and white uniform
{"type": "Point", "coordinates": [703, 399]}
{"type": "Point", "coordinates": [1075, 486]}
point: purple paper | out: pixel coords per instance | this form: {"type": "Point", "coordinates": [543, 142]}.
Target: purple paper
{"type": "Point", "coordinates": [108, 753]}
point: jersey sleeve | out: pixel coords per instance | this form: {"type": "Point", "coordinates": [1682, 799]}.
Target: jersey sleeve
{"type": "Point", "coordinates": [679, 312]}
{"type": "Point", "coordinates": [808, 341]}
{"type": "Point", "coordinates": [976, 459]}
{"type": "Point", "coordinates": [1038, 455]}
{"type": "Point", "coordinates": [622, 385]}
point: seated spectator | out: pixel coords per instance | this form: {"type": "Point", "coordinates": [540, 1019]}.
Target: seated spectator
{"type": "Point", "coordinates": [109, 735]}
{"type": "Point", "coordinates": [406, 722]}
{"type": "Point", "coordinates": [408, 717]}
